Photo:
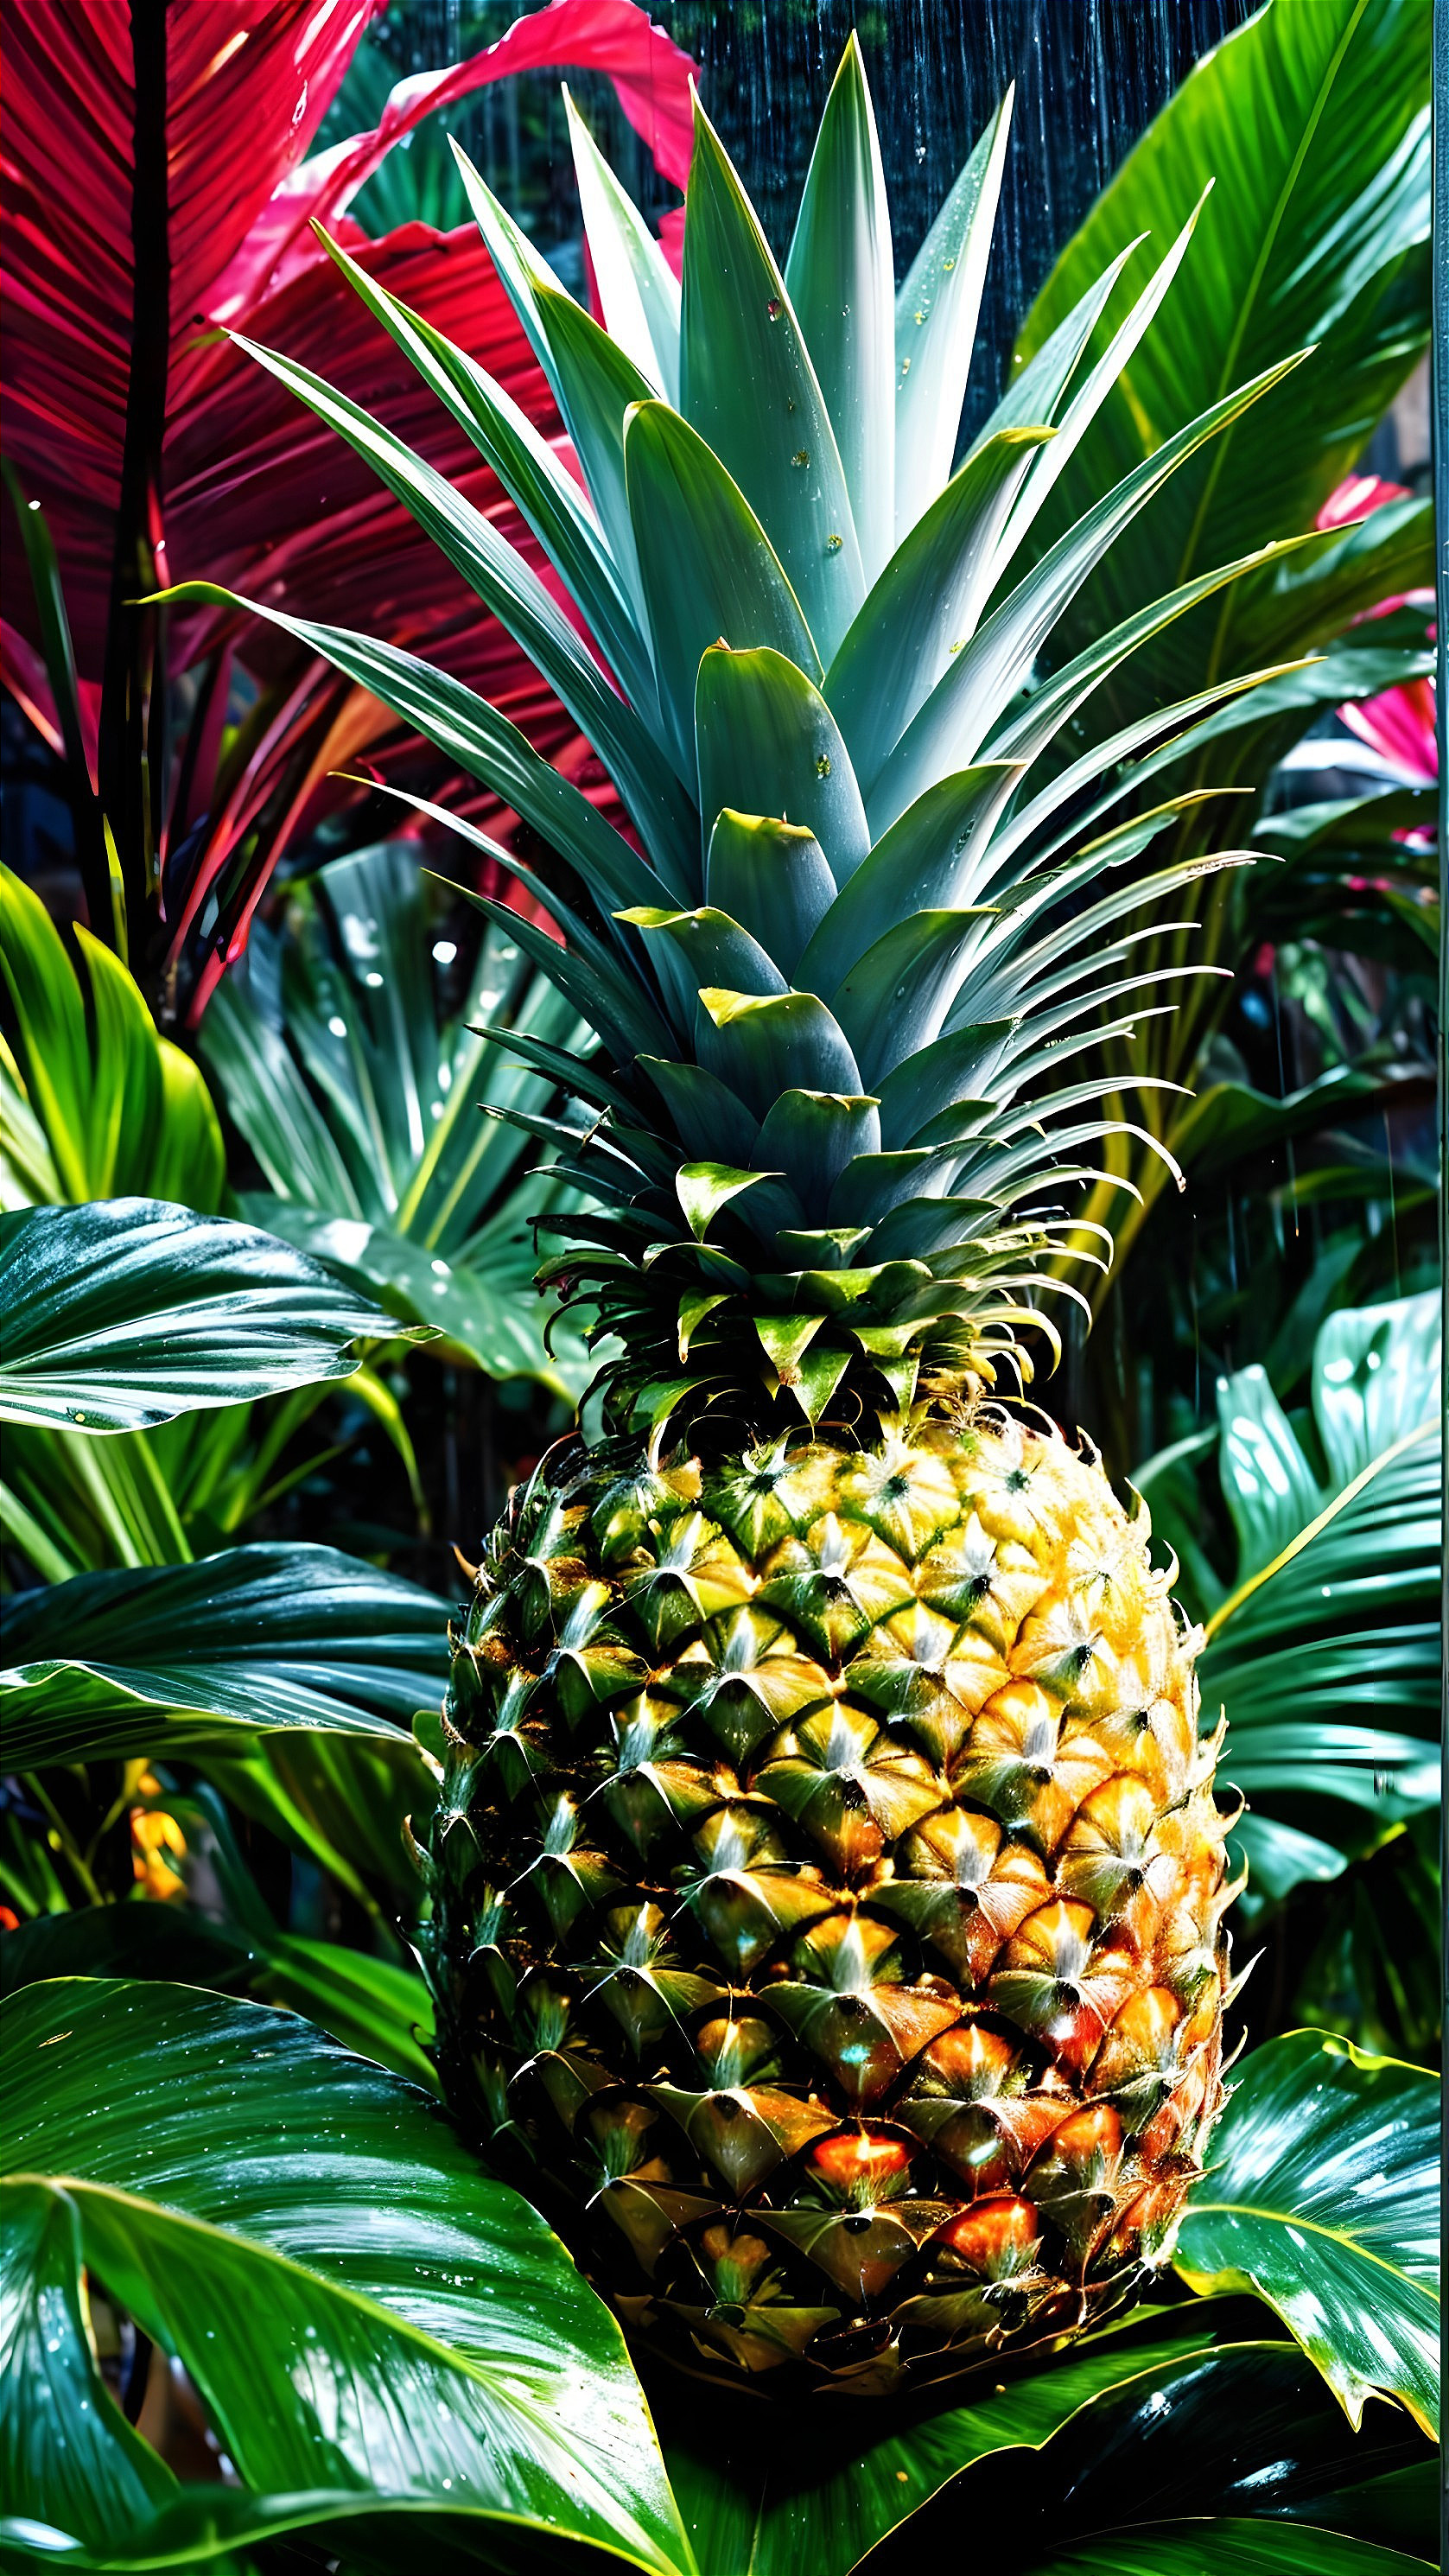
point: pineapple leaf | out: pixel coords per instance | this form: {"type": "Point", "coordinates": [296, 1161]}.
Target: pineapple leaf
{"type": "Point", "coordinates": [463, 726]}
{"type": "Point", "coordinates": [708, 1117]}
{"type": "Point", "coordinates": [925, 605]}
{"type": "Point", "coordinates": [840, 279]}
{"type": "Point", "coordinates": [767, 743]}
{"type": "Point", "coordinates": [704, 1188]}
{"type": "Point", "coordinates": [609, 1000]}
{"type": "Point", "coordinates": [1053, 705]}
{"type": "Point", "coordinates": [895, 997]}
{"type": "Point", "coordinates": [548, 497]}
{"type": "Point", "coordinates": [936, 313]}
{"type": "Point", "coordinates": [921, 864]}
{"type": "Point", "coordinates": [761, 1048]}
{"type": "Point", "coordinates": [981, 681]}
{"type": "Point", "coordinates": [1035, 389]}
{"type": "Point", "coordinates": [784, 1339]}
{"type": "Point", "coordinates": [748, 387]}
{"type": "Point", "coordinates": [517, 598]}
{"type": "Point", "coordinates": [1088, 400]}
{"type": "Point", "coordinates": [593, 381]}
{"type": "Point", "coordinates": [774, 878]}
{"type": "Point", "coordinates": [638, 289]}
{"type": "Point", "coordinates": [1314, 119]}
{"type": "Point", "coordinates": [708, 570]}
{"type": "Point", "coordinates": [812, 1135]}
{"type": "Point", "coordinates": [713, 950]}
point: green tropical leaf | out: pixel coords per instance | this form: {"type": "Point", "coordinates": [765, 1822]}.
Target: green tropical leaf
{"type": "Point", "coordinates": [65, 2446]}
{"type": "Point", "coordinates": [776, 2498]}
{"type": "Point", "coordinates": [343, 1800]}
{"type": "Point", "coordinates": [126, 1312]}
{"type": "Point", "coordinates": [162, 1657]}
{"type": "Point", "coordinates": [1228, 2548]}
{"type": "Point", "coordinates": [1324, 1652]}
{"type": "Point", "coordinates": [481, 1301]}
{"type": "Point", "coordinates": [1311, 118]}
{"type": "Point", "coordinates": [1243, 2429]}
{"type": "Point", "coordinates": [451, 2359]}
{"type": "Point", "coordinates": [360, 1099]}
{"type": "Point", "coordinates": [1322, 2196]}
{"type": "Point", "coordinates": [373, 2006]}
{"type": "Point", "coordinates": [96, 1104]}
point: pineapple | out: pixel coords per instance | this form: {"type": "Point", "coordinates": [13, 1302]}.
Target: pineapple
{"type": "Point", "coordinates": [827, 1880]}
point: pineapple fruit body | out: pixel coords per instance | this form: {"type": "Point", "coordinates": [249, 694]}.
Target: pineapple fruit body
{"type": "Point", "coordinates": [827, 1888]}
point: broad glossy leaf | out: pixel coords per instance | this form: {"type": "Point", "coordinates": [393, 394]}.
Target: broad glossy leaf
{"type": "Point", "coordinates": [482, 1298]}
{"type": "Point", "coordinates": [747, 385]}
{"type": "Point", "coordinates": [841, 282]}
{"type": "Point", "coordinates": [373, 2006]}
{"type": "Point", "coordinates": [105, 1106]}
{"type": "Point", "coordinates": [1325, 1651]}
{"type": "Point", "coordinates": [1322, 2196]}
{"type": "Point", "coordinates": [341, 1800]}
{"type": "Point", "coordinates": [362, 1106]}
{"type": "Point", "coordinates": [1244, 2428]}
{"type": "Point", "coordinates": [819, 2492]}
{"type": "Point", "coordinates": [162, 1657]}
{"type": "Point", "coordinates": [126, 1312]}
{"type": "Point", "coordinates": [1312, 121]}
{"type": "Point", "coordinates": [229, 2194]}
{"type": "Point", "coordinates": [68, 2456]}
{"type": "Point", "coordinates": [936, 312]}
{"type": "Point", "coordinates": [768, 743]}
{"type": "Point", "coordinates": [707, 567]}
{"type": "Point", "coordinates": [1227, 2548]}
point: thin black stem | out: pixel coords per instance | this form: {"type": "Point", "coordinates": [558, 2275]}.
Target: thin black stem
{"type": "Point", "coordinates": [130, 631]}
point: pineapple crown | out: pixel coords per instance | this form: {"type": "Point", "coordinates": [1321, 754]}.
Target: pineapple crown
{"type": "Point", "coordinates": [875, 902]}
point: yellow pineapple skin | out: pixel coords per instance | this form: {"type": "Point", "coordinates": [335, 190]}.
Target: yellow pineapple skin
{"type": "Point", "coordinates": [828, 1884]}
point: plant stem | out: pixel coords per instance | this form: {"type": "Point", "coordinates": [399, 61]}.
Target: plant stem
{"type": "Point", "coordinates": [122, 754]}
